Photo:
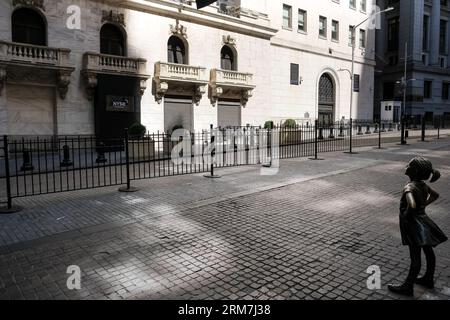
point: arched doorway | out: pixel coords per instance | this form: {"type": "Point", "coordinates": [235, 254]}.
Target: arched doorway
{"type": "Point", "coordinates": [326, 99]}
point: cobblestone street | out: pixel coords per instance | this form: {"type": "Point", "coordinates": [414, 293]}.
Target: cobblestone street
{"type": "Point", "coordinates": [309, 232]}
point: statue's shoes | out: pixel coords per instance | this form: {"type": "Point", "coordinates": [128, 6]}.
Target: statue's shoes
{"type": "Point", "coordinates": [404, 289]}
{"type": "Point", "coordinates": [426, 282]}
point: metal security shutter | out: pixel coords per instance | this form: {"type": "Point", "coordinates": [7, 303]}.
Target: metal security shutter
{"type": "Point", "coordinates": [229, 114]}
{"type": "Point", "coordinates": [178, 111]}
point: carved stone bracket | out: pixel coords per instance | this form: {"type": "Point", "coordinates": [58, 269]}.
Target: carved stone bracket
{"type": "Point", "coordinates": [161, 89]}
{"type": "Point", "coordinates": [91, 81]}
{"type": "Point", "coordinates": [143, 86]}
{"type": "Point", "coordinates": [63, 82]}
{"type": "Point", "coordinates": [246, 94]}
{"type": "Point", "coordinates": [200, 90]}
{"type": "Point", "coordinates": [2, 79]}
{"type": "Point", "coordinates": [229, 40]}
{"type": "Point", "coordinates": [179, 30]}
{"type": "Point", "coordinates": [216, 92]}
{"type": "Point", "coordinates": [31, 3]}
{"type": "Point", "coordinates": [114, 17]}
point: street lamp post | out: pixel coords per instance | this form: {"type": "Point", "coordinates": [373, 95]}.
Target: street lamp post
{"type": "Point", "coordinates": [352, 72]}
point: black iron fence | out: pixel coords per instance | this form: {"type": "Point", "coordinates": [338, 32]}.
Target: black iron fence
{"type": "Point", "coordinates": [41, 165]}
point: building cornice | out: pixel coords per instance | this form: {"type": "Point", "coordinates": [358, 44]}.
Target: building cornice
{"type": "Point", "coordinates": [308, 49]}
{"type": "Point", "coordinates": [188, 13]}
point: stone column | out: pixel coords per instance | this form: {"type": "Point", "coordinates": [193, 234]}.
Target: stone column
{"type": "Point", "coordinates": [411, 29]}
{"type": "Point", "coordinates": [435, 20]}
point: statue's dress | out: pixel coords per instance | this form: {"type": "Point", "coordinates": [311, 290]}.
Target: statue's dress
{"type": "Point", "coordinates": [416, 227]}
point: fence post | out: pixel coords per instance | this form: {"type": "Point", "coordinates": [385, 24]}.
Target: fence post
{"type": "Point", "coordinates": [379, 135]}
{"type": "Point", "coordinates": [351, 138]}
{"type": "Point", "coordinates": [128, 188]}
{"type": "Point", "coordinates": [423, 129]}
{"type": "Point", "coordinates": [9, 206]}
{"type": "Point", "coordinates": [316, 138]}
{"type": "Point", "coordinates": [213, 151]}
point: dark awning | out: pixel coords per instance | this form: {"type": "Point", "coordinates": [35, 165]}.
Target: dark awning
{"type": "Point", "coordinates": [204, 3]}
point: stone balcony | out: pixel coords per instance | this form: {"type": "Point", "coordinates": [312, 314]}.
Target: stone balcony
{"type": "Point", "coordinates": [172, 77]}
{"type": "Point", "coordinates": [18, 60]}
{"type": "Point", "coordinates": [96, 63]}
{"type": "Point", "coordinates": [231, 84]}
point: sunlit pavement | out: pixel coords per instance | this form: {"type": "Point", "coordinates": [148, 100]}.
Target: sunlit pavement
{"type": "Point", "coordinates": [309, 232]}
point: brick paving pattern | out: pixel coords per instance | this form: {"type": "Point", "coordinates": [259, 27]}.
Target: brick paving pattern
{"type": "Point", "coordinates": [309, 232]}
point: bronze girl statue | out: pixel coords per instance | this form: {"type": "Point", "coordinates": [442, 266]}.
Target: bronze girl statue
{"type": "Point", "coordinates": [418, 231]}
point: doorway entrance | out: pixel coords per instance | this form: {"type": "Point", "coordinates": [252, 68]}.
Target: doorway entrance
{"type": "Point", "coordinates": [326, 100]}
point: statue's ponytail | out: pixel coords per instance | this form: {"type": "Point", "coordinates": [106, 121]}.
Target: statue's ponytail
{"type": "Point", "coordinates": [435, 175]}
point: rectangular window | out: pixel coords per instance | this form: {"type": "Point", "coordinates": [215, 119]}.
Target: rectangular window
{"type": "Point", "coordinates": [351, 36]}
{"type": "Point", "coordinates": [426, 23]}
{"type": "Point", "coordinates": [335, 30]}
{"type": "Point", "coordinates": [356, 83]}
{"type": "Point", "coordinates": [294, 74]}
{"type": "Point", "coordinates": [302, 20]}
{"type": "Point", "coordinates": [363, 5]}
{"type": "Point", "coordinates": [427, 86]}
{"type": "Point", "coordinates": [352, 4]}
{"type": "Point", "coordinates": [445, 90]}
{"type": "Point", "coordinates": [443, 37]}
{"type": "Point", "coordinates": [323, 27]}
{"type": "Point", "coordinates": [393, 34]}
{"type": "Point", "coordinates": [362, 38]}
{"type": "Point", "coordinates": [287, 16]}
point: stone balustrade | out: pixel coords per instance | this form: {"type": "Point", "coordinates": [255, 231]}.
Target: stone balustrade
{"type": "Point", "coordinates": [12, 52]}
{"type": "Point", "coordinates": [114, 64]}
{"type": "Point", "coordinates": [233, 78]}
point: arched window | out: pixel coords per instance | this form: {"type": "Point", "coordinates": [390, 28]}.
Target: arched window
{"type": "Point", "coordinates": [112, 40]}
{"type": "Point", "coordinates": [28, 26]}
{"type": "Point", "coordinates": [227, 59]}
{"type": "Point", "coordinates": [176, 51]}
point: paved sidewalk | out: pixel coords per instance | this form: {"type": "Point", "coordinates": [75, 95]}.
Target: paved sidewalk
{"type": "Point", "coordinates": [309, 232]}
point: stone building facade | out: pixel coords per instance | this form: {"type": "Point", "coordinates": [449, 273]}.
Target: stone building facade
{"type": "Point", "coordinates": [424, 26]}
{"type": "Point", "coordinates": [100, 66]}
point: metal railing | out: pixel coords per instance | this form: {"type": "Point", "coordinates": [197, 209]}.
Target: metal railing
{"type": "Point", "coordinates": [32, 166]}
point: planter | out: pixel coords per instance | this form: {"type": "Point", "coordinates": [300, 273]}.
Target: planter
{"type": "Point", "coordinates": [141, 149]}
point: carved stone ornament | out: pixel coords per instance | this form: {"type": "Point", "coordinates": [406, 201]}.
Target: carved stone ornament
{"type": "Point", "coordinates": [179, 30]}
{"type": "Point", "coordinates": [31, 3]}
{"type": "Point", "coordinates": [161, 89]}
{"type": "Point", "coordinates": [216, 92]}
{"type": "Point", "coordinates": [200, 90]}
{"type": "Point", "coordinates": [113, 17]}
{"type": "Point", "coordinates": [63, 82]}
{"type": "Point", "coordinates": [229, 40]}
{"type": "Point", "coordinates": [2, 79]}
{"type": "Point", "coordinates": [246, 94]}
{"type": "Point", "coordinates": [143, 86]}
{"type": "Point", "coordinates": [91, 81]}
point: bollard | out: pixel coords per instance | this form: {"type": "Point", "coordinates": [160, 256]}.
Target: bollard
{"type": "Point", "coordinates": [368, 129]}
{"type": "Point", "coordinates": [383, 127]}
{"type": "Point", "coordinates": [331, 136]}
{"type": "Point", "coordinates": [360, 130]}
{"type": "Point", "coordinates": [101, 153]}
{"type": "Point", "coordinates": [66, 157]}
{"type": "Point", "coordinates": [341, 131]}
{"type": "Point", "coordinates": [129, 188]}
{"type": "Point", "coordinates": [376, 128]}
{"type": "Point", "coordinates": [423, 129]}
{"type": "Point", "coordinates": [27, 165]}
{"type": "Point", "coordinates": [390, 127]}
{"type": "Point", "coordinates": [320, 134]}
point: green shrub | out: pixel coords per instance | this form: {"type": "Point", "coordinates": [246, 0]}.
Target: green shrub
{"type": "Point", "coordinates": [290, 123]}
{"type": "Point", "coordinates": [269, 124]}
{"type": "Point", "coordinates": [137, 130]}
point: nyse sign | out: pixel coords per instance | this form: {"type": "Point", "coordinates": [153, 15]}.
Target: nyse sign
{"type": "Point", "coordinates": [119, 104]}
